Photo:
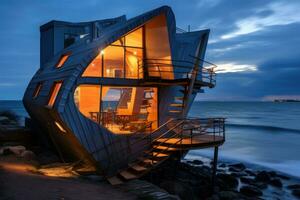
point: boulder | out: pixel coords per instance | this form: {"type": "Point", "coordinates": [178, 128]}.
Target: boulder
{"type": "Point", "coordinates": [272, 173]}
{"type": "Point", "coordinates": [28, 155]}
{"type": "Point", "coordinates": [229, 195]}
{"type": "Point", "coordinates": [296, 192]}
{"type": "Point", "coordinates": [177, 188]}
{"type": "Point", "coordinates": [238, 166]}
{"type": "Point", "coordinates": [197, 162]}
{"type": "Point", "coordinates": [263, 176]}
{"type": "Point", "coordinates": [223, 165]}
{"type": "Point", "coordinates": [247, 180]}
{"type": "Point", "coordinates": [227, 181]}
{"type": "Point", "coordinates": [294, 186]}
{"type": "Point", "coordinates": [283, 177]}
{"type": "Point", "coordinates": [250, 172]}
{"type": "Point", "coordinates": [276, 182]}
{"type": "Point", "coordinates": [17, 150]}
{"type": "Point", "coordinates": [239, 174]}
{"type": "Point", "coordinates": [251, 191]}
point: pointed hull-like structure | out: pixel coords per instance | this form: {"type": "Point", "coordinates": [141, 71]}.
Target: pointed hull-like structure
{"type": "Point", "coordinates": [106, 88]}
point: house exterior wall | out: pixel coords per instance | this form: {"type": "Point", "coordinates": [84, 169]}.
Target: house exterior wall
{"type": "Point", "coordinates": [84, 139]}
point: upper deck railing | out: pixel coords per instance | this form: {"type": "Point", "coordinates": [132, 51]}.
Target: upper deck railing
{"type": "Point", "coordinates": [167, 70]}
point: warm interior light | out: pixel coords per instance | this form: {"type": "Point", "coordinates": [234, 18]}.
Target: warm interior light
{"type": "Point", "coordinates": [102, 52]}
{"type": "Point", "coordinates": [60, 127]}
{"type": "Point", "coordinates": [134, 53]}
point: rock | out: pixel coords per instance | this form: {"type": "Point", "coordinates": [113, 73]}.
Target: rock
{"type": "Point", "coordinates": [223, 165]}
{"type": "Point", "coordinates": [246, 180]}
{"type": "Point", "coordinates": [197, 162]}
{"type": "Point", "coordinates": [250, 191]}
{"type": "Point", "coordinates": [250, 172]}
{"type": "Point", "coordinates": [229, 195]}
{"type": "Point", "coordinates": [227, 181]}
{"type": "Point", "coordinates": [239, 174]}
{"type": "Point", "coordinates": [28, 155]}
{"type": "Point", "coordinates": [177, 188]}
{"type": "Point", "coordinates": [238, 166]}
{"type": "Point", "coordinates": [260, 185]}
{"type": "Point", "coordinates": [296, 192]}
{"type": "Point", "coordinates": [263, 176]}
{"type": "Point", "coordinates": [283, 177]}
{"type": "Point", "coordinates": [294, 186]}
{"type": "Point", "coordinates": [272, 173]}
{"type": "Point", "coordinates": [17, 150]}
{"type": "Point", "coordinates": [276, 182]}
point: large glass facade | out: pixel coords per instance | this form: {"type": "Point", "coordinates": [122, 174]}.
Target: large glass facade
{"type": "Point", "coordinates": [122, 110]}
{"type": "Point", "coordinates": [121, 59]}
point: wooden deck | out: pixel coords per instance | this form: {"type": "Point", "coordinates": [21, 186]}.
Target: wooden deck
{"type": "Point", "coordinates": [197, 142]}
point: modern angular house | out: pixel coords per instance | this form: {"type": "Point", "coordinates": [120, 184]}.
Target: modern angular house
{"type": "Point", "coordinates": [113, 95]}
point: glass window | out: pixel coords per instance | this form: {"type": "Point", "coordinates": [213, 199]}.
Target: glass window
{"type": "Point", "coordinates": [37, 90]}
{"type": "Point", "coordinates": [53, 93]}
{"type": "Point", "coordinates": [62, 60]}
{"type": "Point", "coordinates": [122, 110]}
{"type": "Point", "coordinates": [134, 60]}
{"type": "Point", "coordinates": [123, 58]}
{"type": "Point", "coordinates": [113, 62]}
{"type": "Point", "coordinates": [158, 48]}
{"type": "Point", "coordinates": [94, 69]}
{"type": "Point", "coordinates": [135, 38]}
{"type": "Point", "coordinates": [87, 100]}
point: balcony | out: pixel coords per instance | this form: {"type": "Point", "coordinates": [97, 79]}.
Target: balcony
{"type": "Point", "coordinates": [174, 72]}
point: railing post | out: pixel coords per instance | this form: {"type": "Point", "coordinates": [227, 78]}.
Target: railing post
{"type": "Point", "coordinates": [215, 168]}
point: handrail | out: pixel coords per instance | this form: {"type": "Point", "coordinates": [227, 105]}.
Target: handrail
{"type": "Point", "coordinates": [185, 68]}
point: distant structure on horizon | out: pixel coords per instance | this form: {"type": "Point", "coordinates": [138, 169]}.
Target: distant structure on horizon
{"type": "Point", "coordinates": [113, 95]}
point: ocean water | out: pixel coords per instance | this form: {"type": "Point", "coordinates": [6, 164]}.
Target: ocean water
{"type": "Point", "coordinates": [262, 133]}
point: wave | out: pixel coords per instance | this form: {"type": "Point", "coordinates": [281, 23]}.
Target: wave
{"type": "Point", "coordinates": [263, 127]}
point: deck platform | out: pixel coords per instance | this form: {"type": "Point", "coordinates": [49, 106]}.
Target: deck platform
{"type": "Point", "coordinates": [201, 141]}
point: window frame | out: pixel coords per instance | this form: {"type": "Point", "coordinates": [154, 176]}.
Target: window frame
{"type": "Point", "coordinates": [37, 90]}
{"type": "Point", "coordinates": [61, 61]}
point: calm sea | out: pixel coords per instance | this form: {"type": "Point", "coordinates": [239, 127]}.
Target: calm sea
{"type": "Point", "coordinates": [263, 133]}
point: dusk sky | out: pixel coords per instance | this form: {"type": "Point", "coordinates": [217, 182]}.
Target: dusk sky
{"type": "Point", "coordinates": [256, 43]}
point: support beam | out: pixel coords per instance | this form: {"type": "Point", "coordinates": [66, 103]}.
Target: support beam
{"type": "Point", "coordinates": [215, 168]}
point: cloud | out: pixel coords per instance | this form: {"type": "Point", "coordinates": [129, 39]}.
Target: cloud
{"type": "Point", "coordinates": [282, 14]}
{"type": "Point", "coordinates": [232, 67]}
{"type": "Point", "coordinates": [7, 84]}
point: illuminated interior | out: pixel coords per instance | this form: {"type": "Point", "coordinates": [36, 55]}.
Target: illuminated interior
{"type": "Point", "coordinates": [124, 58]}
{"type": "Point", "coordinates": [53, 93]}
{"type": "Point", "coordinates": [122, 110]}
{"type": "Point", "coordinates": [121, 59]}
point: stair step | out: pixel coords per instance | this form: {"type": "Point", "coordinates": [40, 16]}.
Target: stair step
{"type": "Point", "coordinates": [179, 98]}
{"type": "Point", "coordinates": [164, 148]}
{"type": "Point", "coordinates": [160, 155]}
{"type": "Point", "coordinates": [148, 161]}
{"type": "Point", "coordinates": [138, 168]}
{"type": "Point", "coordinates": [175, 111]}
{"type": "Point", "coordinates": [127, 175]}
{"type": "Point", "coordinates": [176, 105]}
{"type": "Point", "coordinates": [114, 180]}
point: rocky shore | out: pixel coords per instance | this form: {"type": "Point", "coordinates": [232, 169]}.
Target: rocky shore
{"type": "Point", "coordinates": [191, 179]}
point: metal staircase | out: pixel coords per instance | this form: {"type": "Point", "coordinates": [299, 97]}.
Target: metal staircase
{"type": "Point", "coordinates": [176, 135]}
